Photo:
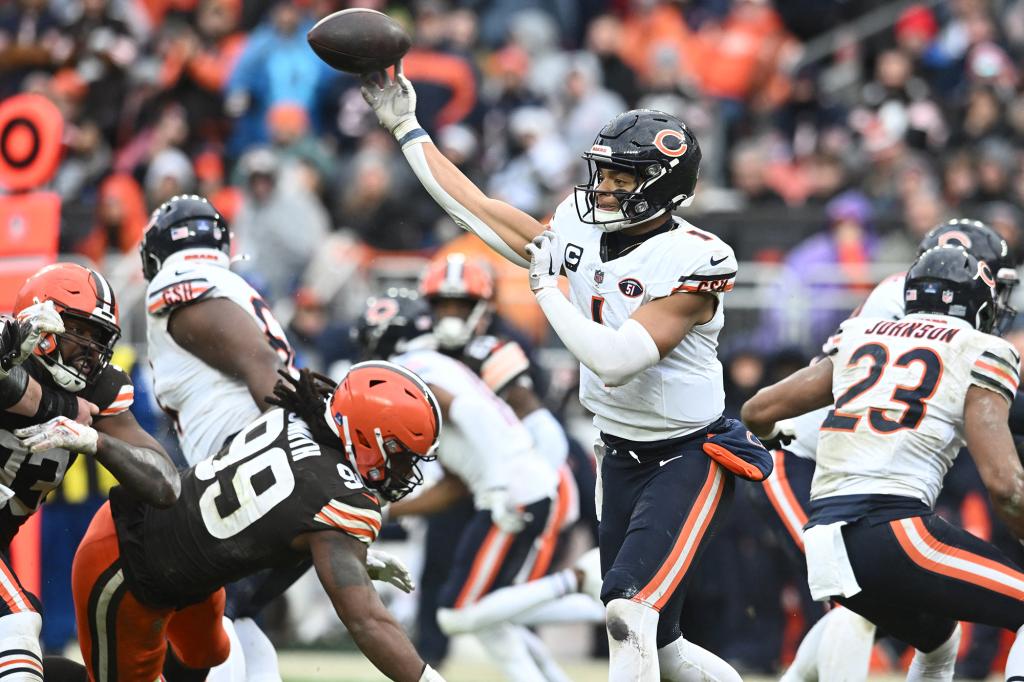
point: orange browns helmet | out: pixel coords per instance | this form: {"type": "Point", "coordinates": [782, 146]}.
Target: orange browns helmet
{"type": "Point", "coordinates": [78, 293]}
{"type": "Point", "coordinates": [384, 413]}
{"type": "Point", "coordinates": [458, 278]}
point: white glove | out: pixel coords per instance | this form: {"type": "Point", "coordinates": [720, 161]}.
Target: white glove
{"type": "Point", "coordinates": [25, 334]}
{"type": "Point", "coordinates": [394, 101]}
{"type": "Point", "coordinates": [59, 432]}
{"type": "Point", "coordinates": [504, 514]}
{"type": "Point", "coordinates": [783, 433]}
{"type": "Point", "coordinates": [544, 253]}
{"type": "Point", "coordinates": [387, 568]}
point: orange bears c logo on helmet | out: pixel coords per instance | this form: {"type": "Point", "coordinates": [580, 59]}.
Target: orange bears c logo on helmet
{"type": "Point", "coordinates": [955, 236]}
{"type": "Point", "coordinates": [680, 145]}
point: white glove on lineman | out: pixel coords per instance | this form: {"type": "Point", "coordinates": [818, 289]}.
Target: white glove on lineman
{"type": "Point", "coordinates": [59, 432]}
{"type": "Point", "coordinates": [33, 323]}
{"type": "Point", "coordinates": [544, 253]}
{"type": "Point", "coordinates": [394, 102]}
{"type": "Point", "coordinates": [504, 514]}
{"type": "Point", "coordinates": [387, 568]}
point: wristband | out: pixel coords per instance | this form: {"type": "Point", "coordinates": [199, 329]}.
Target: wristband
{"type": "Point", "coordinates": [55, 402]}
{"type": "Point", "coordinates": [12, 387]}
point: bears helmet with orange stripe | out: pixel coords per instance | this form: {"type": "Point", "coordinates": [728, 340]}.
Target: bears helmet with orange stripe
{"type": "Point", "coordinates": [388, 420]}
{"type": "Point", "coordinates": [659, 150]}
{"type": "Point", "coordinates": [86, 303]}
{"type": "Point", "coordinates": [457, 278]}
{"type": "Point", "coordinates": [948, 280]}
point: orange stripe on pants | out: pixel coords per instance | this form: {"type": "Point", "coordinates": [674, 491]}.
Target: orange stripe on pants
{"type": "Point", "coordinates": [687, 542]}
{"type": "Point", "coordinates": [486, 566]}
{"type": "Point", "coordinates": [129, 637]}
{"type": "Point", "coordinates": [549, 540]}
{"type": "Point", "coordinates": [957, 563]}
{"type": "Point", "coordinates": [780, 494]}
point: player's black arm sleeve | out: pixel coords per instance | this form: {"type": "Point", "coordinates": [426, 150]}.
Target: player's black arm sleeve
{"type": "Point", "coordinates": [137, 460]}
{"type": "Point", "coordinates": [23, 395]}
{"type": "Point", "coordinates": [1016, 420]}
{"type": "Point", "coordinates": [340, 563]}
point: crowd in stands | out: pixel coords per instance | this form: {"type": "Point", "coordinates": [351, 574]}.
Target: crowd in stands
{"type": "Point", "coordinates": [826, 150]}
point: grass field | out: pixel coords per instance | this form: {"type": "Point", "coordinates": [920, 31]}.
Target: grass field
{"type": "Point", "coordinates": [349, 667]}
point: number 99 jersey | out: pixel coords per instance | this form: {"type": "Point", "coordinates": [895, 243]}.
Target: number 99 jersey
{"type": "Point", "coordinates": [207, 406]}
{"type": "Point", "coordinates": [240, 511]}
{"type": "Point", "coordinates": [900, 388]}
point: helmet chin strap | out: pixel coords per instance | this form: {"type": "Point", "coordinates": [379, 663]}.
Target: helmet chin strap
{"type": "Point", "coordinates": [64, 378]}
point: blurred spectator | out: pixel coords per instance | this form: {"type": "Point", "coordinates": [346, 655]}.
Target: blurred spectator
{"type": "Point", "coordinates": [292, 140]}
{"type": "Point", "coordinates": [749, 169]}
{"type": "Point", "coordinates": [1008, 221]}
{"type": "Point", "coordinates": [922, 211]}
{"type": "Point", "coordinates": [585, 106]}
{"type": "Point", "coordinates": [30, 38]}
{"type": "Point", "coordinates": [995, 166]}
{"type": "Point", "coordinates": [540, 167]}
{"type": "Point", "coordinates": [980, 118]}
{"type": "Point", "coordinates": [280, 230]}
{"type": "Point", "coordinates": [818, 271]}
{"type": "Point", "coordinates": [275, 66]}
{"type": "Point", "coordinates": [169, 173]}
{"type": "Point", "coordinates": [604, 36]}
{"type": "Point", "coordinates": [121, 218]}
{"type": "Point", "coordinates": [209, 170]}
{"type": "Point", "coordinates": [199, 62]}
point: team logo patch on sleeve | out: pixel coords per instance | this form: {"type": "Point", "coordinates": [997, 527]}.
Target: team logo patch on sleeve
{"type": "Point", "coordinates": [631, 287]}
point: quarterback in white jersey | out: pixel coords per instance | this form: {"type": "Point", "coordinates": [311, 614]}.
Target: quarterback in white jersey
{"type": "Point", "coordinates": [645, 335]}
{"type": "Point", "coordinates": [215, 349]}
{"type": "Point", "coordinates": [908, 395]}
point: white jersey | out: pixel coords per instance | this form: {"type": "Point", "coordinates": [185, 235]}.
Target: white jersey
{"type": "Point", "coordinates": [900, 388]}
{"type": "Point", "coordinates": [493, 451]}
{"type": "Point", "coordinates": [683, 392]}
{"type": "Point", "coordinates": [885, 301]}
{"type": "Point", "coordinates": [206, 405]}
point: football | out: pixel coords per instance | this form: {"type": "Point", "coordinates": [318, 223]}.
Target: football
{"type": "Point", "coordinates": [359, 40]}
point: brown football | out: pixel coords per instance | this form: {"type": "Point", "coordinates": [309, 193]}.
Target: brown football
{"type": "Point", "coordinates": [359, 40]}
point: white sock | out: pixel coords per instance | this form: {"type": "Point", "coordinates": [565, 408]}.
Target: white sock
{"type": "Point", "coordinates": [804, 667]}
{"type": "Point", "coordinates": [632, 642]}
{"type": "Point", "coordinates": [1015, 661]}
{"type": "Point", "coordinates": [507, 648]}
{"type": "Point", "coordinates": [260, 656]}
{"type": "Point", "coordinates": [233, 669]}
{"type": "Point", "coordinates": [936, 666]}
{"type": "Point", "coordinates": [542, 657]}
{"type": "Point", "coordinates": [683, 661]}
{"type": "Point", "coordinates": [844, 653]}
{"type": "Point", "coordinates": [506, 603]}
{"type": "Point", "coordinates": [572, 608]}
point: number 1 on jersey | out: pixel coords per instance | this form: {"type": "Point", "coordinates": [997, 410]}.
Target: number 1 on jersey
{"type": "Point", "coordinates": [597, 309]}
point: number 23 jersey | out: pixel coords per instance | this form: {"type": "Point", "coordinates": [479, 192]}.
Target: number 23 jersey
{"type": "Point", "coordinates": [683, 392]}
{"type": "Point", "coordinates": [900, 388]}
{"type": "Point", "coordinates": [207, 406]}
{"type": "Point", "coordinates": [239, 512]}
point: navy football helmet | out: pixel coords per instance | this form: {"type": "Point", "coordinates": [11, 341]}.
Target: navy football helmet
{"type": "Point", "coordinates": [948, 280]}
{"type": "Point", "coordinates": [985, 244]}
{"type": "Point", "coordinates": [186, 221]}
{"type": "Point", "coordinates": [659, 150]}
{"type": "Point", "coordinates": [389, 322]}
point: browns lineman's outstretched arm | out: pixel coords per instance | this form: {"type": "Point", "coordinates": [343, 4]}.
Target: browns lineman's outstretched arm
{"type": "Point", "coordinates": [340, 563]}
{"type": "Point", "coordinates": [991, 446]}
{"type": "Point", "coordinates": [503, 227]}
{"type": "Point", "coordinates": [797, 394]}
{"type": "Point", "coordinates": [135, 458]}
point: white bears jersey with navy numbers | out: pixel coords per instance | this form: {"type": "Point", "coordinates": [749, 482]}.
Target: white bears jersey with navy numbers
{"type": "Point", "coordinates": [499, 452]}
{"type": "Point", "coordinates": [886, 301]}
{"type": "Point", "coordinates": [900, 388]}
{"type": "Point", "coordinates": [206, 405]}
{"type": "Point", "coordinates": [683, 392]}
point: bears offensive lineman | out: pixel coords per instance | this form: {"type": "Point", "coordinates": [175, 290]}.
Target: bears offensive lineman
{"type": "Point", "coordinates": [839, 645]}
{"type": "Point", "coordinates": [486, 452]}
{"type": "Point", "coordinates": [77, 309]}
{"type": "Point", "coordinates": [643, 320]}
{"type": "Point", "coordinates": [907, 396]}
{"type": "Point", "coordinates": [301, 482]}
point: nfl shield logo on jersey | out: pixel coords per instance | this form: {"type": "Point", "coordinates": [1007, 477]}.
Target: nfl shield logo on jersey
{"type": "Point", "coordinates": [947, 296]}
{"type": "Point", "coordinates": [598, 276]}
